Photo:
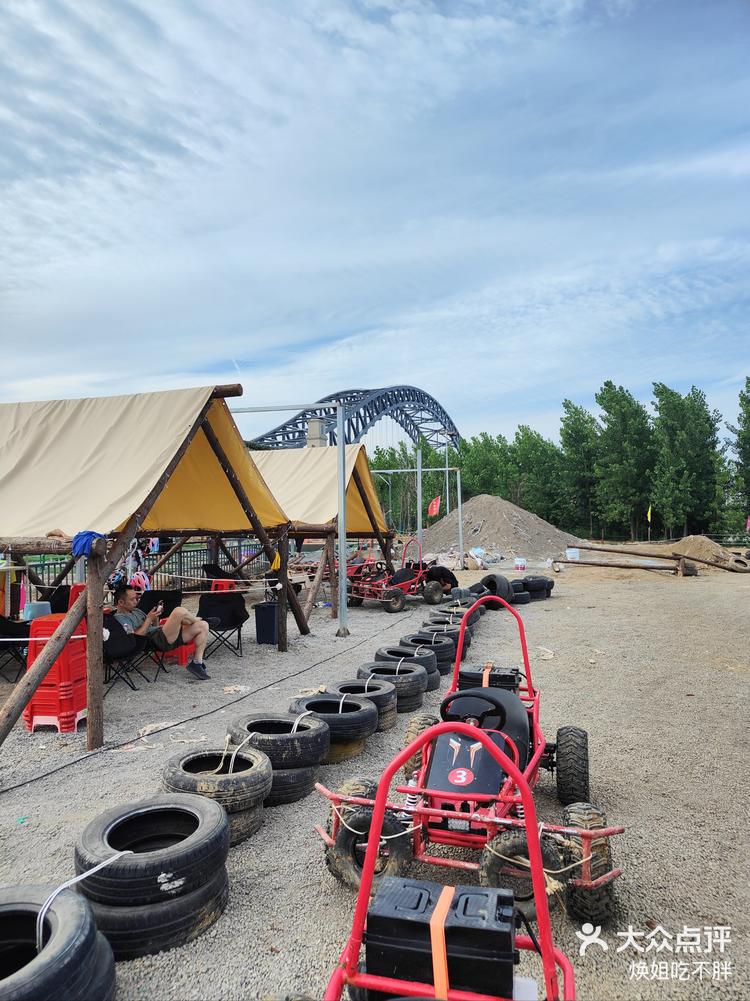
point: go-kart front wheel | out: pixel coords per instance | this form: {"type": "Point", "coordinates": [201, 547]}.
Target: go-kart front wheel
{"type": "Point", "coordinates": [505, 862]}
{"type": "Point", "coordinates": [596, 904]}
{"type": "Point", "coordinates": [417, 725]}
{"type": "Point", "coordinates": [432, 592]}
{"type": "Point", "coordinates": [572, 763]}
{"type": "Point", "coordinates": [346, 857]}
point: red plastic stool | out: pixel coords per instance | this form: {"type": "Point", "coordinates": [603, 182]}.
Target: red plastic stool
{"type": "Point", "coordinates": [182, 653]}
{"type": "Point", "coordinates": [223, 585]}
{"type": "Point", "coordinates": [75, 590]}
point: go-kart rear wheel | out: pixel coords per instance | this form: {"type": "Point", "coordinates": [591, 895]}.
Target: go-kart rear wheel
{"type": "Point", "coordinates": [595, 905]}
{"type": "Point", "coordinates": [346, 857]}
{"type": "Point", "coordinates": [433, 592]}
{"type": "Point", "coordinates": [572, 763]}
{"type": "Point", "coordinates": [497, 871]}
{"type": "Point", "coordinates": [417, 724]}
{"type": "Point", "coordinates": [394, 600]}
{"type": "Point", "coordinates": [353, 601]}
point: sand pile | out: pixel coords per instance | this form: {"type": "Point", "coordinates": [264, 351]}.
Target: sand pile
{"type": "Point", "coordinates": [501, 527]}
{"type": "Point", "coordinates": [700, 548]}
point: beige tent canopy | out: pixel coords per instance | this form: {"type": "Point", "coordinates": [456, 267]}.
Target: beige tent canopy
{"type": "Point", "coordinates": [304, 482]}
{"type": "Point", "coordinates": [89, 465]}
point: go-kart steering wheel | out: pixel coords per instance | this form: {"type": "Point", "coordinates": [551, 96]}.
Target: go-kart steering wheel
{"type": "Point", "coordinates": [494, 708]}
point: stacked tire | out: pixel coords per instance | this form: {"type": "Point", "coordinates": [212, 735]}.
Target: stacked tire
{"type": "Point", "coordinates": [520, 595]}
{"type": "Point", "coordinates": [173, 883]}
{"type": "Point", "coordinates": [538, 588]}
{"type": "Point", "coordinates": [294, 747]}
{"type": "Point", "coordinates": [239, 779]}
{"type": "Point", "coordinates": [500, 587]}
{"type": "Point", "coordinates": [442, 646]}
{"type": "Point", "coordinates": [408, 655]}
{"type": "Point", "coordinates": [350, 718]}
{"type": "Point", "coordinates": [451, 631]}
{"type": "Point", "coordinates": [382, 694]}
{"type": "Point", "coordinates": [409, 680]}
{"type": "Point", "coordinates": [76, 961]}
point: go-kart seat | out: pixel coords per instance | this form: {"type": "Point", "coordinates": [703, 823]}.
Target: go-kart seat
{"type": "Point", "coordinates": [403, 575]}
{"type": "Point", "coordinates": [495, 709]}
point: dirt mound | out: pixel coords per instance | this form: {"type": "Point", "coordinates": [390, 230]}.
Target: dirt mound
{"type": "Point", "coordinates": [700, 548]}
{"type": "Point", "coordinates": [498, 527]}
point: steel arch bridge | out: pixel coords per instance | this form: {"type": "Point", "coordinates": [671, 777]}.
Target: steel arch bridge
{"type": "Point", "coordinates": [418, 413]}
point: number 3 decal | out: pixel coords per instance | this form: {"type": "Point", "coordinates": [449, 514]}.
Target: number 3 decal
{"type": "Point", "coordinates": [461, 776]}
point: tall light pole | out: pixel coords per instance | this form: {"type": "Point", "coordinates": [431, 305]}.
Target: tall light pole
{"type": "Point", "coordinates": [447, 486]}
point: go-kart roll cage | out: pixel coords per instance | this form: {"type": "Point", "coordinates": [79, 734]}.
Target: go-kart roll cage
{"type": "Point", "coordinates": [347, 971]}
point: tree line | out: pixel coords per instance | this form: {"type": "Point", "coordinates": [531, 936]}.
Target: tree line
{"type": "Point", "coordinates": [608, 470]}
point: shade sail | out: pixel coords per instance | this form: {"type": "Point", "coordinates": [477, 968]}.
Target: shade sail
{"type": "Point", "coordinates": [304, 482]}
{"type": "Point", "coordinates": [89, 464]}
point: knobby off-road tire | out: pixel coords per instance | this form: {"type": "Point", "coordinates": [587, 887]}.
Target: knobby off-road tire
{"type": "Point", "coordinates": [512, 843]}
{"type": "Point", "coordinates": [346, 856]}
{"type": "Point", "coordinates": [180, 841]}
{"type": "Point", "coordinates": [244, 824]}
{"type": "Point", "coordinates": [432, 592]}
{"type": "Point", "coordinates": [291, 784]}
{"type": "Point", "coordinates": [357, 785]}
{"type": "Point", "coordinates": [394, 600]}
{"type": "Point", "coordinates": [75, 962]}
{"type": "Point", "coordinates": [572, 765]}
{"type": "Point", "coordinates": [589, 905]}
{"type": "Point", "coordinates": [406, 655]}
{"type": "Point", "coordinates": [354, 718]}
{"type": "Point", "coordinates": [417, 725]}
{"type": "Point", "coordinates": [142, 930]}
{"type": "Point", "coordinates": [273, 735]}
{"type": "Point", "coordinates": [246, 786]}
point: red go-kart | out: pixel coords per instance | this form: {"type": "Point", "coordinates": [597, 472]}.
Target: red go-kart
{"type": "Point", "coordinates": [371, 581]}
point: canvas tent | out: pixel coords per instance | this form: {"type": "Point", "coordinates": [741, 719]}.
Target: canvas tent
{"type": "Point", "coordinates": [304, 481]}
{"type": "Point", "coordinates": [170, 461]}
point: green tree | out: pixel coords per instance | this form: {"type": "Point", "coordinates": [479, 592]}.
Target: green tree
{"type": "Point", "coordinates": [486, 466]}
{"type": "Point", "coordinates": [538, 471]}
{"type": "Point", "coordinates": [742, 448]}
{"type": "Point", "coordinates": [626, 459]}
{"type": "Point", "coordinates": [579, 437]}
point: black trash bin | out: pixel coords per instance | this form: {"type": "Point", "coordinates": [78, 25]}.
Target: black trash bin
{"type": "Point", "coordinates": [266, 627]}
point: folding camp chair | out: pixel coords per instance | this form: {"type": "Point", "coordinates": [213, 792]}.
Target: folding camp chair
{"type": "Point", "coordinates": [229, 608]}
{"type": "Point", "coordinates": [13, 654]}
{"type": "Point", "coordinates": [122, 654]}
{"type": "Point", "coordinates": [58, 597]}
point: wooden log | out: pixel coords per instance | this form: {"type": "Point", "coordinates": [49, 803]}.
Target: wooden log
{"type": "Point", "coordinates": [168, 555]}
{"type": "Point", "coordinates": [669, 568]}
{"type": "Point", "coordinates": [281, 604]}
{"type": "Point", "coordinates": [247, 507]}
{"type": "Point", "coordinates": [384, 547]}
{"type": "Point", "coordinates": [36, 546]}
{"type": "Point", "coordinates": [226, 552]}
{"type": "Point", "coordinates": [222, 392]}
{"type": "Point", "coordinates": [718, 566]}
{"type": "Point", "coordinates": [317, 581]}
{"type": "Point", "coordinates": [41, 667]}
{"type": "Point", "coordinates": [623, 551]}
{"type": "Point", "coordinates": [95, 579]}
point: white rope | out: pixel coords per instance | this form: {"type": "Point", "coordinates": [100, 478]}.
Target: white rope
{"type": "Point", "coordinates": [227, 741]}
{"type": "Point", "coordinates": [26, 640]}
{"type": "Point", "coordinates": [64, 886]}
{"type": "Point", "coordinates": [398, 666]}
{"type": "Point", "coordinates": [307, 712]}
{"type": "Point", "coordinates": [552, 885]}
{"type": "Point", "coordinates": [341, 703]}
{"type": "Point", "coordinates": [383, 837]}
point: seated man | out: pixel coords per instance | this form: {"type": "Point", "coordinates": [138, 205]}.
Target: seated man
{"type": "Point", "coordinates": [180, 627]}
{"type": "Point", "coordinates": [447, 580]}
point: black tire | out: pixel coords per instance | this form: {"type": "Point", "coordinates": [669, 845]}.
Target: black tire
{"type": "Point", "coordinates": [348, 718]}
{"type": "Point", "coordinates": [246, 786]}
{"type": "Point", "coordinates": [308, 745]}
{"type": "Point", "coordinates": [75, 962]}
{"type": "Point", "coordinates": [357, 785]}
{"type": "Point", "coordinates": [433, 592]}
{"type": "Point", "coordinates": [353, 601]}
{"type": "Point", "coordinates": [521, 598]}
{"type": "Point", "coordinates": [244, 824]}
{"type": "Point", "coordinates": [493, 870]}
{"type": "Point", "coordinates": [178, 835]}
{"type": "Point", "coordinates": [387, 719]}
{"type": "Point", "coordinates": [590, 905]}
{"type": "Point", "coordinates": [572, 764]}
{"type": "Point", "coordinates": [143, 930]}
{"type": "Point", "coordinates": [537, 595]}
{"type": "Point", "coordinates": [450, 629]}
{"type": "Point", "coordinates": [452, 619]}
{"type": "Point", "coordinates": [394, 600]}
{"type": "Point", "coordinates": [517, 586]}
{"type": "Point", "coordinates": [382, 694]}
{"type": "Point", "coordinates": [442, 646]}
{"type": "Point", "coordinates": [411, 704]}
{"type": "Point", "coordinates": [532, 583]}
{"type": "Point", "coordinates": [499, 586]}
{"type": "Point", "coordinates": [433, 680]}
{"type": "Point", "coordinates": [406, 655]}
{"type": "Point", "coordinates": [290, 785]}
{"type": "Point", "coordinates": [343, 750]}
{"type": "Point", "coordinates": [409, 680]}
{"type": "Point", "coordinates": [416, 725]}
{"type": "Point", "coordinates": [345, 857]}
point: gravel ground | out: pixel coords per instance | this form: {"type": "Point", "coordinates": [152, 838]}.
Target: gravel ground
{"type": "Point", "coordinates": [654, 668]}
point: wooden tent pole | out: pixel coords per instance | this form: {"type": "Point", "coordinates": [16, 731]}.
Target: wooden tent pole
{"type": "Point", "coordinates": [25, 688]}
{"type": "Point", "coordinates": [168, 555]}
{"type": "Point", "coordinates": [334, 579]}
{"type": "Point", "coordinates": [317, 581]}
{"type": "Point", "coordinates": [281, 604]}
{"type": "Point", "coordinates": [95, 579]}
{"type": "Point", "coordinates": [247, 507]}
{"type": "Point", "coordinates": [384, 547]}
{"type": "Point", "coordinates": [223, 548]}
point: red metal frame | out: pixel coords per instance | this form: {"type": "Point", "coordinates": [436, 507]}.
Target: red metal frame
{"type": "Point", "coordinates": [362, 586]}
{"type": "Point", "coordinates": [347, 971]}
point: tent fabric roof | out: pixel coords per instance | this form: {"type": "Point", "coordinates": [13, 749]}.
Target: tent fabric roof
{"type": "Point", "coordinates": [304, 481]}
{"type": "Point", "coordinates": [89, 464]}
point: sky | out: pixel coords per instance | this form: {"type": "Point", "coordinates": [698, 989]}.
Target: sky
{"type": "Point", "coordinates": [502, 202]}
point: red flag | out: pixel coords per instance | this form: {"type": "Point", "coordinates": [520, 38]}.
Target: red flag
{"type": "Point", "coordinates": [434, 507]}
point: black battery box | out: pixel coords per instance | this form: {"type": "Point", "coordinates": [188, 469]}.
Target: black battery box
{"type": "Point", "coordinates": [479, 935]}
{"type": "Point", "coordinates": [499, 677]}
